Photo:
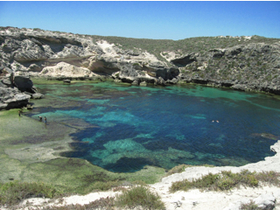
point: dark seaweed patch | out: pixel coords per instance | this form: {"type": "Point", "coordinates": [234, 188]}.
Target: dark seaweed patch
{"type": "Point", "coordinates": [129, 164]}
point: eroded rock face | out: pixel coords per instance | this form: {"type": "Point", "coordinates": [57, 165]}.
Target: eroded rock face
{"type": "Point", "coordinates": [16, 90]}
{"type": "Point", "coordinates": [12, 98]}
{"type": "Point", "coordinates": [251, 67]}
{"type": "Point", "coordinates": [251, 64]}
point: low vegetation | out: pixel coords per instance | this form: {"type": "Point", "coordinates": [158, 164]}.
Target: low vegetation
{"type": "Point", "coordinates": [102, 203]}
{"type": "Point", "coordinates": [177, 169]}
{"type": "Point", "coordinates": [227, 180]}
{"type": "Point", "coordinates": [250, 206]}
{"type": "Point", "coordinates": [139, 196]}
{"type": "Point", "coordinates": [184, 46]}
{"type": "Point", "coordinates": [12, 193]}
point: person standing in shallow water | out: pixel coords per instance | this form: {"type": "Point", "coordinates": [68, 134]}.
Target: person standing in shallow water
{"type": "Point", "coordinates": [19, 113]}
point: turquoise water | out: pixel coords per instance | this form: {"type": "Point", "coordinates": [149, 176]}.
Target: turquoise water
{"type": "Point", "coordinates": [125, 128]}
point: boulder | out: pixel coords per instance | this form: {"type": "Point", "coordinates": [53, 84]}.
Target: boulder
{"type": "Point", "coordinates": [144, 83]}
{"type": "Point", "coordinates": [265, 202]}
{"type": "Point", "coordinates": [167, 73]}
{"type": "Point", "coordinates": [160, 81]}
{"type": "Point", "coordinates": [136, 82]}
{"type": "Point", "coordinates": [67, 81]}
{"type": "Point", "coordinates": [37, 96]}
{"type": "Point", "coordinates": [65, 70]}
{"type": "Point", "coordinates": [23, 82]}
{"type": "Point", "coordinates": [12, 98]}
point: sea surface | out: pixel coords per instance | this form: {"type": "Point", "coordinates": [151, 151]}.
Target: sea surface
{"type": "Point", "coordinates": [124, 128]}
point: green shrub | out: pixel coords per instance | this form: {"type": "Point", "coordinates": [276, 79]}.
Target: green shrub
{"type": "Point", "coordinates": [104, 186]}
{"type": "Point", "coordinates": [269, 177]}
{"type": "Point", "coordinates": [102, 203]}
{"type": "Point", "coordinates": [139, 196]}
{"type": "Point", "coordinates": [177, 169]}
{"type": "Point", "coordinates": [14, 192]}
{"type": "Point", "coordinates": [227, 180]}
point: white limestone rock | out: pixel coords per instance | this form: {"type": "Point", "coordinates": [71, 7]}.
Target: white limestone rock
{"type": "Point", "coordinates": [65, 70]}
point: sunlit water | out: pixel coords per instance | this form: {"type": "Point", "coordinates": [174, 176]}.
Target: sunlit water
{"type": "Point", "coordinates": [128, 127]}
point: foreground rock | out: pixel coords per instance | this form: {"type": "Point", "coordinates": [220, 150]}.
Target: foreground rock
{"type": "Point", "coordinates": [241, 63]}
{"type": "Point", "coordinates": [16, 90]}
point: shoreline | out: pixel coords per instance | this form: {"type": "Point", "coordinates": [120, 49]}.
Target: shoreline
{"type": "Point", "coordinates": [192, 199]}
{"type": "Point", "coordinates": [186, 198]}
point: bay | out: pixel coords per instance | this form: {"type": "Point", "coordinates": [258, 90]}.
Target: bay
{"type": "Point", "coordinates": [124, 128]}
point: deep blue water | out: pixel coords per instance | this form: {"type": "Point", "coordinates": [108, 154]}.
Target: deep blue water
{"type": "Point", "coordinates": [127, 127]}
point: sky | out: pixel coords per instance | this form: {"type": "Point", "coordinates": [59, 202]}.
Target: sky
{"type": "Point", "coordinates": [146, 19]}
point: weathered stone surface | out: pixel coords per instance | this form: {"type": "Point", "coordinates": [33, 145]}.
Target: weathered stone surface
{"type": "Point", "coordinates": [265, 201]}
{"type": "Point", "coordinates": [37, 96]}
{"type": "Point", "coordinates": [65, 70]}
{"type": "Point", "coordinates": [23, 82]}
{"type": "Point", "coordinates": [12, 98]}
{"type": "Point", "coordinates": [250, 64]}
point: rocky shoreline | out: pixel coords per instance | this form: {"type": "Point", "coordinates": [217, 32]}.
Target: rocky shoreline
{"type": "Point", "coordinates": [265, 197]}
{"type": "Point", "coordinates": [240, 63]}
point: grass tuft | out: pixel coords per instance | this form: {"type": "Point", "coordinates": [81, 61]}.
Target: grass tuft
{"type": "Point", "coordinates": [226, 180]}
{"type": "Point", "coordinates": [102, 203]}
{"type": "Point", "coordinates": [139, 196]}
{"type": "Point", "coordinates": [12, 193]}
{"type": "Point", "coordinates": [177, 169]}
{"type": "Point", "coordinates": [249, 206]}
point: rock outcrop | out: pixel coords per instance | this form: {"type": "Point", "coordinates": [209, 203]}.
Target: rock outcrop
{"type": "Point", "coordinates": [251, 67]}
{"type": "Point", "coordinates": [16, 90]}
{"type": "Point", "coordinates": [64, 70]}
{"type": "Point", "coordinates": [12, 98]}
{"type": "Point", "coordinates": [241, 63]}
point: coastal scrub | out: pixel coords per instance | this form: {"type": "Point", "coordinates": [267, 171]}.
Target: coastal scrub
{"type": "Point", "coordinates": [226, 180]}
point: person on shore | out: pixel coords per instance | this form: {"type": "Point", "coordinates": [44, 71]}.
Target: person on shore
{"type": "Point", "coordinates": [40, 118]}
{"type": "Point", "coordinates": [45, 120]}
{"type": "Point", "coordinates": [19, 113]}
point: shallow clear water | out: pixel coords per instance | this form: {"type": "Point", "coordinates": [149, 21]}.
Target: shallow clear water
{"type": "Point", "coordinates": [126, 128]}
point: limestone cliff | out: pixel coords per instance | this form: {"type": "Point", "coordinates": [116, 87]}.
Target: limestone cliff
{"type": "Point", "coordinates": [242, 63]}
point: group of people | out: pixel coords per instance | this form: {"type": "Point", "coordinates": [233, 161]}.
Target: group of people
{"type": "Point", "coordinates": [41, 119]}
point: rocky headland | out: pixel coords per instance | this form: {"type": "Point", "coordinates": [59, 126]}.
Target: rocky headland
{"type": "Point", "coordinates": [247, 63]}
